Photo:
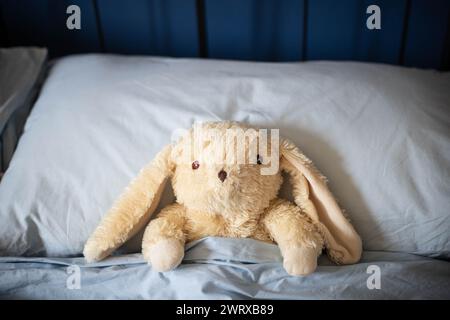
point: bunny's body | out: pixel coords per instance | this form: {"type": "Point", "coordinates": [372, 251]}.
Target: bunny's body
{"type": "Point", "coordinates": [228, 199]}
{"type": "Point", "coordinates": [281, 221]}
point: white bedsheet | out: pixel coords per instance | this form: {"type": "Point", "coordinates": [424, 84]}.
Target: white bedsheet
{"type": "Point", "coordinates": [221, 268]}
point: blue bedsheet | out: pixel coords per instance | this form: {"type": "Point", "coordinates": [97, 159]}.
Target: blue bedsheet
{"type": "Point", "coordinates": [221, 268]}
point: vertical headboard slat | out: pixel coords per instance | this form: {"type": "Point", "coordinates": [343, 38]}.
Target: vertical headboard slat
{"type": "Point", "coordinates": [202, 29]}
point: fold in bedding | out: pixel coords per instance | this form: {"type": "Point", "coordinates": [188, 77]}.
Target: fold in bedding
{"type": "Point", "coordinates": [224, 268]}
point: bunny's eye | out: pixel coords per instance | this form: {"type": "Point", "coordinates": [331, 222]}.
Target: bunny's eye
{"type": "Point", "coordinates": [259, 159]}
{"type": "Point", "coordinates": [195, 165]}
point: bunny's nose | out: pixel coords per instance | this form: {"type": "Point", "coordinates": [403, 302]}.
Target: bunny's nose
{"type": "Point", "coordinates": [222, 175]}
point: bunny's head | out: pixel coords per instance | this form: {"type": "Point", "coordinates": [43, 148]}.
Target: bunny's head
{"type": "Point", "coordinates": [226, 168]}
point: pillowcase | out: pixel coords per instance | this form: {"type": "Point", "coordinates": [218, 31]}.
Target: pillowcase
{"type": "Point", "coordinates": [21, 74]}
{"type": "Point", "coordinates": [378, 132]}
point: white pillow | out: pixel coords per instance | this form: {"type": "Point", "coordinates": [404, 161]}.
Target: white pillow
{"type": "Point", "coordinates": [379, 133]}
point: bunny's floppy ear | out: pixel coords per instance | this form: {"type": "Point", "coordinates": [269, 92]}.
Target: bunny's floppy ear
{"type": "Point", "coordinates": [132, 210]}
{"type": "Point", "coordinates": [312, 195]}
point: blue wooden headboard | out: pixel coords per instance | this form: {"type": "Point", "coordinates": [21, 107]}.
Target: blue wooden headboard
{"type": "Point", "coordinates": [413, 32]}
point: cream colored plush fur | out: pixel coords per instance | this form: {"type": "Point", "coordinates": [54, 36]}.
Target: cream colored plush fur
{"type": "Point", "coordinates": [244, 204]}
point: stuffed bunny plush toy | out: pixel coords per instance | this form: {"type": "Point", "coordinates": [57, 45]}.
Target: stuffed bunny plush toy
{"type": "Point", "coordinates": [217, 195]}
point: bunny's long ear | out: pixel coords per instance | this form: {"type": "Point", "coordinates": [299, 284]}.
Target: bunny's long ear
{"type": "Point", "coordinates": [311, 194]}
{"type": "Point", "coordinates": [132, 210]}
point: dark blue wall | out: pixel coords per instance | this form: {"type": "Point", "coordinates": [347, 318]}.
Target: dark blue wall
{"type": "Point", "coordinates": [414, 32]}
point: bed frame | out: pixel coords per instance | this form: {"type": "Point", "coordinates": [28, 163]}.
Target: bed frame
{"type": "Point", "coordinates": [413, 32]}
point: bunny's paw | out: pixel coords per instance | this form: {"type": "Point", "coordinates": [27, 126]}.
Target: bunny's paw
{"type": "Point", "coordinates": [165, 254]}
{"type": "Point", "coordinates": [300, 261]}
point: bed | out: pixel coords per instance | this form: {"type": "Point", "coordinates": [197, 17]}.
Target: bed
{"type": "Point", "coordinates": [380, 133]}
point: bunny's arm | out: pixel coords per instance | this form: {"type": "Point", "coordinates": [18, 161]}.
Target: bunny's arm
{"type": "Point", "coordinates": [297, 237]}
{"type": "Point", "coordinates": [164, 238]}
